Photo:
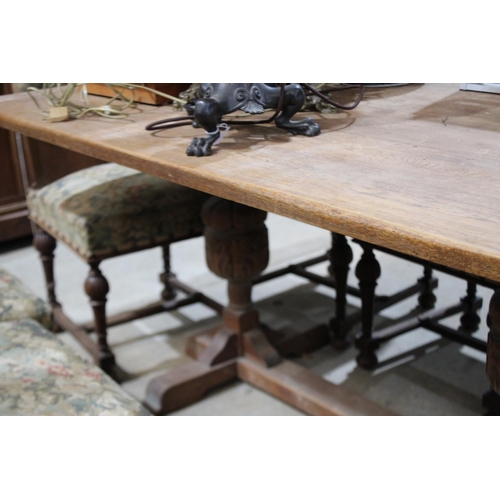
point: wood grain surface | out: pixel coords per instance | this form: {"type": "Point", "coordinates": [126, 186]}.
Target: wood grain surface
{"type": "Point", "coordinates": [414, 168]}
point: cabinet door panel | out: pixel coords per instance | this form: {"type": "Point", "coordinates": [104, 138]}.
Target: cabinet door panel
{"type": "Point", "coordinates": [11, 184]}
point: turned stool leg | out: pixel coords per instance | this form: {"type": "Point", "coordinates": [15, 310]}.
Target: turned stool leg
{"type": "Point", "coordinates": [340, 258]}
{"type": "Point", "coordinates": [491, 400]}
{"type": "Point", "coordinates": [46, 245]}
{"type": "Point", "coordinates": [97, 287]}
{"type": "Point", "coordinates": [168, 292]}
{"type": "Point", "coordinates": [367, 272]}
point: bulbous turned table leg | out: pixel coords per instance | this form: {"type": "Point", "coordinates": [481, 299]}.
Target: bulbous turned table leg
{"type": "Point", "coordinates": [491, 400]}
{"type": "Point", "coordinates": [236, 245]}
{"type": "Point", "coordinates": [237, 249]}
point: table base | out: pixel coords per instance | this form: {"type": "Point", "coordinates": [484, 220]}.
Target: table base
{"type": "Point", "coordinates": [262, 367]}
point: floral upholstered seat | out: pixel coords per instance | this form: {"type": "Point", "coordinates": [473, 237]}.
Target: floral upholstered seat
{"type": "Point", "coordinates": [110, 209]}
{"type": "Point", "coordinates": [17, 302]}
{"type": "Point", "coordinates": [39, 375]}
{"type": "Point", "coordinates": [105, 211]}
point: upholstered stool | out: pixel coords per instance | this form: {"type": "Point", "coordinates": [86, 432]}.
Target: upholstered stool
{"type": "Point", "coordinates": [17, 302]}
{"type": "Point", "coordinates": [39, 375]}
{"type": "Point", "coordinates": [106, 211]}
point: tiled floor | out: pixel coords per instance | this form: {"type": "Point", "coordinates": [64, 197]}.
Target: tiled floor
{"type": "Point", "coordinates": [419, 373]}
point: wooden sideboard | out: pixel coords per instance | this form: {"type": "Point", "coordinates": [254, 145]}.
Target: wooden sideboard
{"type": "Point", "coordinates": [27, 162]}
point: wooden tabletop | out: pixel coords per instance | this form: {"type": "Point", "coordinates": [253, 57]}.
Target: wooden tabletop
{"type": "Point", "coordinates": [414, 168]}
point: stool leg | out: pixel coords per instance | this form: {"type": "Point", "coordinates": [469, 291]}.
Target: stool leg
{"type": "Point", "coordinates": [367, 272]}
{"type": "Point", "coordinates": [97, 287]}
{"type": "Point", "coordinates": [46, 244]}
{"type": "Point", "coordinates": [340, 258]}
{"type": "Point", "coordinates": [168, 292]}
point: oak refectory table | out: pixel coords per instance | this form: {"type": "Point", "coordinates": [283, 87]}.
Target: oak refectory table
{"type": "Point", "coordinates": [413, 169]}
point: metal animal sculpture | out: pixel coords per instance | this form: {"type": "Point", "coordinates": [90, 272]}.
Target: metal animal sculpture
{"type": "Point", "coordinates": [215, 100]}
{"type": "Point", "coordinates": [219, 99]}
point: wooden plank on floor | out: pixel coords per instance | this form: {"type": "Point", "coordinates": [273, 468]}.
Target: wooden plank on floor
{"type": "Point", "coordinates": [306, 390]}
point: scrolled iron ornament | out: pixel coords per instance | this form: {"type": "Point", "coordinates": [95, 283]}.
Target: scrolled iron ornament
{"type": "Point", "coordinates": [213, 101]}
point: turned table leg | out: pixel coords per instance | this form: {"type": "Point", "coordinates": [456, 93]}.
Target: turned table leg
{"type": "Point", "coordinates": [470, 319]}
{"type": "Point", "coordinates": [427, 298]}
{"type": "Point", "coordinates": [367, 271]}
{"type": "Point", "coordinates": [237, 249]}
{"type": "Point", "coordinates": [491, 400]}
{"type": "Point", "coordinates": [236, 245]}
{"type": "Point", "coordinates": [340, 258]}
